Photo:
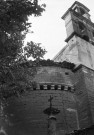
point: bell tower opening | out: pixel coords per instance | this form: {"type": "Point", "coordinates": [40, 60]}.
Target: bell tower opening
{"type": "Point", "coordinates": [83, 31]}
{"type": "Point", "coordinates": [85, 38]}
{"type": "Point", "coordinates": [82, 11]}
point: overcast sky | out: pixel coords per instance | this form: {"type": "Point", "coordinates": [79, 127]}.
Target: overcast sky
{"type": "Point", "coordinates": [49, 29]}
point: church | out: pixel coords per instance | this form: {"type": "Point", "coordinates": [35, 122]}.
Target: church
{"type": "Point", "coordinates": [61, 100]}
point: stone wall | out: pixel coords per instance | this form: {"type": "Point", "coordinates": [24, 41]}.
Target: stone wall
{"type": "Point", "coordinates": [83, 99]}
{"type": "Point", "coordinates": [23, 115]}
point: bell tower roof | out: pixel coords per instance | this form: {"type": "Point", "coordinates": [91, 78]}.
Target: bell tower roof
{"type": "Point", "coordinates": [74, 6]}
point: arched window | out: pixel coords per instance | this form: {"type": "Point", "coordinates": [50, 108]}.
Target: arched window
{"type": "Point", "coordinates": [76, 9]}
{"type": "Point", "coordinates": [82, 11]}
{"type": "Point", "coordinates": [83, 31]}
{"type": "Point", "coordinates": [85, 37]}
{"type": "Point", "coordinates": [81, 26]}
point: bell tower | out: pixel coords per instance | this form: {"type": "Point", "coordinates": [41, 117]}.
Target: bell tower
{"type": "Point", "coordinates": [78, 22]}
{"type": "Point", "coordinates": [80, 51]}
{"type": "Point", "coordinates": [80, 37]}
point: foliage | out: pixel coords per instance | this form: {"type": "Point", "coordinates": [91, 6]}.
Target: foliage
{"type": "Point", "coordinates": [63, 64]}
{"type": "Point", "coordinates": [34, 50]}
{"type": "Point", "coordinates": [19, 78]}
{"type": "Point", "coordinates": [16, 80]}
{"type": "Point", "coordinates": [14, 26]}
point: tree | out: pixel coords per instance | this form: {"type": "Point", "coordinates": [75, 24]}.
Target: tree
{"type": "Point", "coordinates": [14, 26]}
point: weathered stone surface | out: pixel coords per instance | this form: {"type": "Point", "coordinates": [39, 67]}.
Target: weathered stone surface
{"type": "Point", "coordinates": [24, 114]}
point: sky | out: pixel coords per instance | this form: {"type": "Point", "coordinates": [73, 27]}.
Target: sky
{"type": "Point", "coordinates": [49, 29]}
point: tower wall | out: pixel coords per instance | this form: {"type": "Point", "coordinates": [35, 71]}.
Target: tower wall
{"type": "Point", "coordinates": [89, 83]}
{"type": "Point", "coordinates": [78, 51]}
{"type": "Point", "coordinates": [82, 100]}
